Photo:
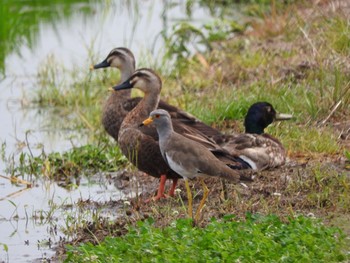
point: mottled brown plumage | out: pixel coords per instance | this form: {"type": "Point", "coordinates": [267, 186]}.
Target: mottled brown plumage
{"type": "Point", "coordinates": [119, 104]}
{"type": "Point", "coordinates": [138, 143]}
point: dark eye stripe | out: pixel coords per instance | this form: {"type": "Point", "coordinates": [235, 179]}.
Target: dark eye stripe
{"type": "Point", "coordinates": [146, 74]}
{"type": "Point", "coordinates": [141, 75]}
{"type": "Point", "coordinates": [116, 53]}
{"type": "Point", "coordinates": [121, 52]}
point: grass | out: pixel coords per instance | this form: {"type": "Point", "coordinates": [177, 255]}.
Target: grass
{"type": "Point", "coordinates": [318, 189]}
{"type": "Point", "coordinates": [64, 167]}
{"type": "Point", "coordinates": [258, 239]}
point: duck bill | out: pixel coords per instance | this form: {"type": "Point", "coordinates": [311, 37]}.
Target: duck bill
{"type": "Point", "coordinates": [283, 117]}
{"type": "Point", "coordinates": [125, 85]}
{"type": "Point", "coordinates": [147, 121]}
{"type": "Point", "coordinates": [103, 64]}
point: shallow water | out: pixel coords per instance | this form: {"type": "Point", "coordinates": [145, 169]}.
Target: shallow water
{"type": "Point", "coordinates": [68, 36]}
{"type": "Point", "coordinates": [31, 219]}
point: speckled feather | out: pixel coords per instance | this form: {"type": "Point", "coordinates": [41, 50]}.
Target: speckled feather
{"type": "Point", "coordinates": [264, 150]}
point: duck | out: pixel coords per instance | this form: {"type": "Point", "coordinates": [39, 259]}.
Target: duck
{"type": "Point", "coordinates": [140, 143]}
{"type": "Point", "coordinates": [188, 158]}
{"type": "Point", "coordinates": [258, 149]}
{"type": "Point", "coordinates": [119, 104]}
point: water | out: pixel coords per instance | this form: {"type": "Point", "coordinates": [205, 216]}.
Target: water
{"type": "Point", "coordinates": [66, 30]}
{"type": "Point", "coordinates": [31, 219]}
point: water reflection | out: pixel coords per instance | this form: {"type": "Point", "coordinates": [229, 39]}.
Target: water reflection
{"type": "Point", "coordinates": [21, 21]}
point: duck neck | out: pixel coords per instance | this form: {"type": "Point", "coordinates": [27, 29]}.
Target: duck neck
{"type": "Point", "coordinates": [143, 109]}
{"type": "Point", "coordinates": [148, 104]}
{"type": "Point", "coordinates": [254, 128]}
{"type": "Point", "coordinates": [125, 72]}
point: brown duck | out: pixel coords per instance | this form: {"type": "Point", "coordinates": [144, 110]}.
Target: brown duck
{"type": "Point", "coordinates": [140, 144]}
{"type": "Point", "coordinates": [119, 104]}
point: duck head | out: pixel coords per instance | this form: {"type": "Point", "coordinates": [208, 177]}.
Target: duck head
{"type": "Point", "coordinates": [143, 79]}
{"type": "Point", "coordinates": [260, 115]}
{"type": "Point", "coordinates": [119, 58]}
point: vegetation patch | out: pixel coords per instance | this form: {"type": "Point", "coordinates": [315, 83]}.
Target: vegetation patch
{"type": "Point", "coordinates": [64, 167]}
{"type": "Point", "coordinates": [258, 239]}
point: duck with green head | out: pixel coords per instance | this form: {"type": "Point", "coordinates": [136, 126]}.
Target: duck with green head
{"type": "Point", "coordinates": [259, 149]}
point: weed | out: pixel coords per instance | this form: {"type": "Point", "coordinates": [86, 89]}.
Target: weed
{"type": "Point", "coordinates": [15, 212]}
{"type": "Point", "coordinates": [319, 187]}
{"type": "Point", "coordinates": [347, 154]}
{"type": "Point", "coordinates": [64, 167]}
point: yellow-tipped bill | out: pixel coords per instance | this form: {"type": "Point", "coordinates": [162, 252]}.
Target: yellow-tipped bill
{"type": "Point", "coordinates": [147, 121]}
{"type": "Point", "coordinates": [111, 89]}
{"type": "Point", "coordinates": [92, 67]}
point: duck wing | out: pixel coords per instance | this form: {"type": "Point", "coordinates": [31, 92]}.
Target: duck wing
{"type": "Point", "coordinates": [260, 151]}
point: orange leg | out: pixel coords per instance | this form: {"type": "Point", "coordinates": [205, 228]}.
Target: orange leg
{"type": "Point", "coordinates": [173, 186]}
{"type": "Point", "coordinates": [161, 189]}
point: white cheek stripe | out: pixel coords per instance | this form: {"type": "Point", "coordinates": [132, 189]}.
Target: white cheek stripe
{"type": "Point", "coordinates": [249, 161]}
{"type": "Point", "coordinates": [134, 80]}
